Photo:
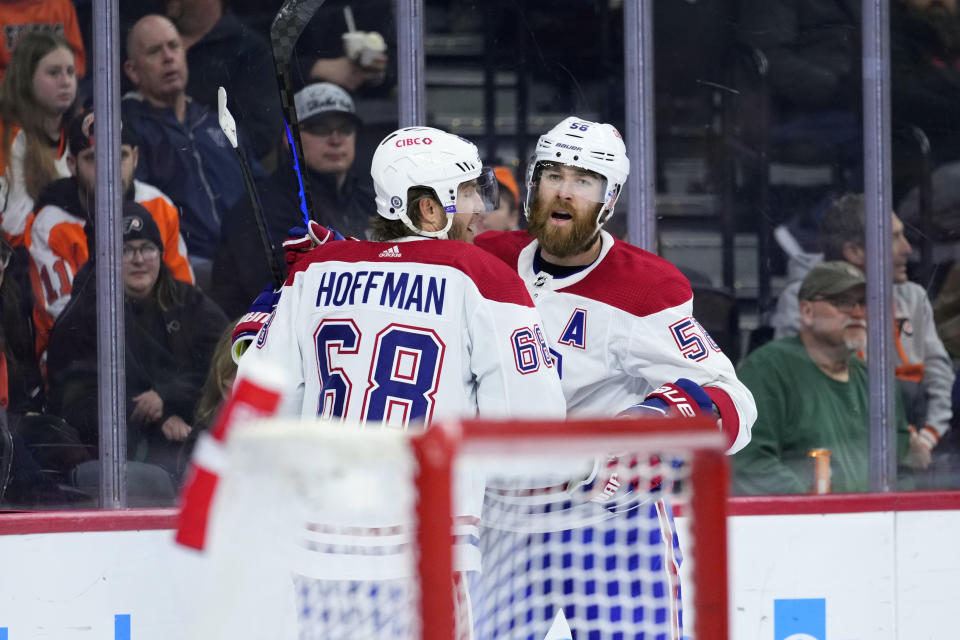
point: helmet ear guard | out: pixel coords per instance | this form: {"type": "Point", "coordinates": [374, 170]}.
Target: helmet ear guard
{"type": "Point", "coordinates": [591, 146]}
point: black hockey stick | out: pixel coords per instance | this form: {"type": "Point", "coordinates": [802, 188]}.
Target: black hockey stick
{"type": "Point", "coordinates": [287, 26]}
{"type": "Point", "coordinates": [229, 127]}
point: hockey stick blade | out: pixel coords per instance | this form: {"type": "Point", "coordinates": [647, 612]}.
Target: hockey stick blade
{"type": "Point", "coordinates": [229, 127]}
{"type": "Point", "coordinates": [227, 124]}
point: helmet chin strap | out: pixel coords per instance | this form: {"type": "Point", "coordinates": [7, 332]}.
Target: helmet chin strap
{"type": "Point", "coordinates": [603, 216]}
{"type": "Point", "coordinates": [440, 235]}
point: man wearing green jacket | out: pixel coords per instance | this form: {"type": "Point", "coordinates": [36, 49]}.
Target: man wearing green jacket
{"type": "Point", "coordinates": [811, 393]}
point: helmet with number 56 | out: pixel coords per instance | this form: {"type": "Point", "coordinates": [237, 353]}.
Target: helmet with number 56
{"type": "Point", "coordinates": [431, 158]}
{"type": "Point", "coordinates": [591, 146]}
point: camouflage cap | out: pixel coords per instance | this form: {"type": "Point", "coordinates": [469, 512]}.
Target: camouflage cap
{"type": "Point", "coordinates": [829, 279]}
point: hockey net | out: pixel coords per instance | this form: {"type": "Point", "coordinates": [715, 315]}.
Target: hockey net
{"type": "Point", "coordinates": [469, 530]}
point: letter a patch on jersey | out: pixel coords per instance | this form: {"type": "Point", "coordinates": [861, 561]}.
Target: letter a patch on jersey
{"type": "Point", "coordinates": [575, 333]}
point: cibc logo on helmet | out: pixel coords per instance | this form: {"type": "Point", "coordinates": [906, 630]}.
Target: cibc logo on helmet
{"type": "Point", "coordinates": [406, 142]}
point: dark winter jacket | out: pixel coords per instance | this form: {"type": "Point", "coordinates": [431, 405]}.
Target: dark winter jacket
{"type": "Point", "coordinates": [322, 38]}
{"type": "Point", "coordinates": [240, 268]}
{"type": "Point", "coordinates": [925, 81]}
{"type": "Point", "coordinates": [813, 48]}
{"type": "Point", "coordinates": [192, 162]}
{"type": "Point", "coordinates": [168, 351]}
{"type": "Point", "coordinates": [233, 56]}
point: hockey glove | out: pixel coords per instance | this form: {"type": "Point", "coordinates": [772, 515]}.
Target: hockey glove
{"type": "Point", "coordinates": [302, 239]}
{"type": "Point", "coordinates": [683, 398]}
{"type": "Point", "coordinates": [253, 320]}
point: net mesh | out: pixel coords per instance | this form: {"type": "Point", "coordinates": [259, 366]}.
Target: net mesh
{"type": "Point", "coordinates": [321, 528]}
{"type": "Point", "coordinates": [603, 548]}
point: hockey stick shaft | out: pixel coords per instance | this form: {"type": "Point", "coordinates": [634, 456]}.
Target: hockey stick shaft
{"type": "Point", "coordinates": [286, 28]}
{"type": "Point", "coordinates": [229, 127]}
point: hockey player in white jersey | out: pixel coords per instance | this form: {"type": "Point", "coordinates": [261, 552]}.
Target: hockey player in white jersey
{"type": "Point", "coordinates": [621, 329]}
{"type": "Point", "coordinates": [620, 319]}
{"type": "Point", "coordinates": [407, 331]}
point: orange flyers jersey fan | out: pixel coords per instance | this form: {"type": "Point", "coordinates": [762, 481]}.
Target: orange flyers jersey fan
{"type": "Point", "coordinates": [21, 16]}
{"type": "Point", "coordinates": [58, 248]}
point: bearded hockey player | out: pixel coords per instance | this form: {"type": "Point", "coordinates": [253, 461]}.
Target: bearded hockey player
{"type": "Point", "coordinates": [621, 329]}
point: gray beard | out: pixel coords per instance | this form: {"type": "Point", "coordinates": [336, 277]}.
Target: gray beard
{"type": "Point", "coordinates": [853, 346]}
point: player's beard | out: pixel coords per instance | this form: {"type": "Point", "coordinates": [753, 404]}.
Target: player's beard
{"type": "Point", "coordinates": [568, 240]}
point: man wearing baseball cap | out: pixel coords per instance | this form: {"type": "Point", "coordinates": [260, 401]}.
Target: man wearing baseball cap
{"type": "Point", "coordinates": [811, 393]}
{"type": "Point", "coordinates": [61, 235]}
{"type": "Point", "coordinates": [923, 368]}
{"type": "Point", "coordinates": [341, 196]}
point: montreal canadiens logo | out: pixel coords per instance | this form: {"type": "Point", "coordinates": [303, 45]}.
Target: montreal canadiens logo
{"type": "Point", "coordinates": [406, 142]}
{"type": "Point", "coordinates": [262, 334]}
{"type": "Point", "coordinates": [395, 201]}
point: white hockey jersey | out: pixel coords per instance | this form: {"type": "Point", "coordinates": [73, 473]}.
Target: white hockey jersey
{"type": "Point", "coordinates": [623, 326]}
{"type": "Point", "coordinates": [397, 333]}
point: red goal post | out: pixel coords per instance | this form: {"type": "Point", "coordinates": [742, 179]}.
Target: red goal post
{"type": "Point", "coordinates": [297, 457]}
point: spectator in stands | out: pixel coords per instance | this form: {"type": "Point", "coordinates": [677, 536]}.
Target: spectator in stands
{"type": "Point", "coordinates": [36, 95]}
{"type": "Point", "coordinates": [171, 331]}
{"type": "Point", "coordinates": [323, 56]}
{"type": "Point", "coordinates": [924, 92]}
{"type": "Point", "coordinates": [813, 50]}
{"type": "Point", "coordinates": [182, 149]}
{"type": "Point", "coordinates": [31, 482]}
{"type": "Point", "coordinates": [62, 234]}
{"type": "Point", "coordinates": [219, 380]}
{"type": "Point", "coordinates": [216, 388]}
{"type": "Point", "coordinates": [20, 17]}
{"type": "Point", "coordinates": [342, 197]}
{"type": "Point", "coordinates": [811, 393]}
{"type": "Point", "coordinates": [506, 217]}
{"type": "Point", "coordinates": [223, 51]}
{"type": "Point", "coordinates": [20, 382]}
{"type": "Point", "coordinates": [924, 369]}
{"type": "Point", "coordinates": [924, 83]}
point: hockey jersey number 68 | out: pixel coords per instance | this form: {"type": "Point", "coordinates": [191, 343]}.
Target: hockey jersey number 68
{"type": "Point", "coordinates": [398, 333]}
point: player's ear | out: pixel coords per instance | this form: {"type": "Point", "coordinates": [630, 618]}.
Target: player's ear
{"type": "Point", "coordinates": [432, 215]}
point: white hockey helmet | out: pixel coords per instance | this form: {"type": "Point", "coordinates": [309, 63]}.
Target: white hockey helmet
{"type": "Point", "coordinates": [427, 157]}
{"type": "Point", "coordinates": [594, 146]}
